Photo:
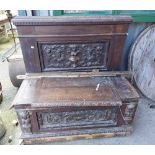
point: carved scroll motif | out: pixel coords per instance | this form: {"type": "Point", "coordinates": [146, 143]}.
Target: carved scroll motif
{"type": "Point", "coordinates": [74, 55]}
{"type": "Point", "coordinates": [25, 120]}
{"type": "Point", "coordinates": [105, 117]}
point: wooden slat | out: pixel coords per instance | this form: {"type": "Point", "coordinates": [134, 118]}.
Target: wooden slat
{"type": "Point", "coordinates": [72, 137]}
{"type": "Point", "coordinates": [73, 74]}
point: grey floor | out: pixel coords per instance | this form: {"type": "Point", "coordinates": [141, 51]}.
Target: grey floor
{"type": "Point", "coordinates": [144, 123]}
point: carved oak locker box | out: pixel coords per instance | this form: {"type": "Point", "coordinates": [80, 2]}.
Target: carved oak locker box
{"type": "Point", "coordinates": [65, 94]}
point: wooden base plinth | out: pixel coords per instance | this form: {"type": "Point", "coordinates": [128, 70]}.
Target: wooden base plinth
{"type": "Point", "coordinates": [47, 138]}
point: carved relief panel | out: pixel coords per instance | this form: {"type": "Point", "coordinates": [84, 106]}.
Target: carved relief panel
{"type": "Point", "coordinates": [129, 112]}
{"type": "Point", "coordinates": [25, 120]}
{"type": "Point", "coordinates": [76, 55]}
{"type": "Point", "coordinates": [104, 117]}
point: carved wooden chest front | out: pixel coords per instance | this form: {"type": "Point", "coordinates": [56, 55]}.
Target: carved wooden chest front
{"type": "Point", "coordinates": [65, 94]}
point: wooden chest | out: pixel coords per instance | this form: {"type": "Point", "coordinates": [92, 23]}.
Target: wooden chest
{"type": "Point", "coordinates": [65, 94]}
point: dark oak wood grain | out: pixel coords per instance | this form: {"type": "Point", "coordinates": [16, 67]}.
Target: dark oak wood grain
{"type": "Point", "coordinates": [58, 105]}
{"type": "Point", "coordinates": [69, 32]}
{"type": "Point", "coordinates": [73, 87]}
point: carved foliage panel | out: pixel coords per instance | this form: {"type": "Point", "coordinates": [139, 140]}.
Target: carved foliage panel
{"type": "Point", "coordinates": [59, 56]}
{"type": "Point", "coordinates": [104, 117]}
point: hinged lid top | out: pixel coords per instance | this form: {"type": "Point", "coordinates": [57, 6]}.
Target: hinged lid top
{"type": "Point", "coordinates": [86, 91]}
{"type": "Point", "coordinates": [53, 92]}
{"type": "Point", "coordinates": [71, 20]}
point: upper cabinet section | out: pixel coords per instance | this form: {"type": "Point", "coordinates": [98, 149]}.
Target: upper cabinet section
{"type": "Point", "coordinates": [69, 43]}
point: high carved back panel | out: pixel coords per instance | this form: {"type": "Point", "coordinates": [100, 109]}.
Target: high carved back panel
{"type": "Point", "coordinates": [72, 43]}
{"type": "Point", "coordinates": [76, 55]}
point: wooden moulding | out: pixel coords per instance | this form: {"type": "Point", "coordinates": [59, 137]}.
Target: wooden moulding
{"type": "Point", "coordinates": [45, 140]}
{"type": "Point", "coordinates": [65, 20]}
{"type": "Point", "coordinates": [69, 138]}
{"type": "Point", "coordinates": [88, 35]}
{"type": "Point", "coordinates": [74, 74]}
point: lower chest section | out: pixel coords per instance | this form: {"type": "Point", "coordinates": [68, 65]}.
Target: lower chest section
{"type": "Point", "coordinates": [55, 109]}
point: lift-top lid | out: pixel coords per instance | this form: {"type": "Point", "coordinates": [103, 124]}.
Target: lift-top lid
{"type": "Point", "coordinates": [86, 91]}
